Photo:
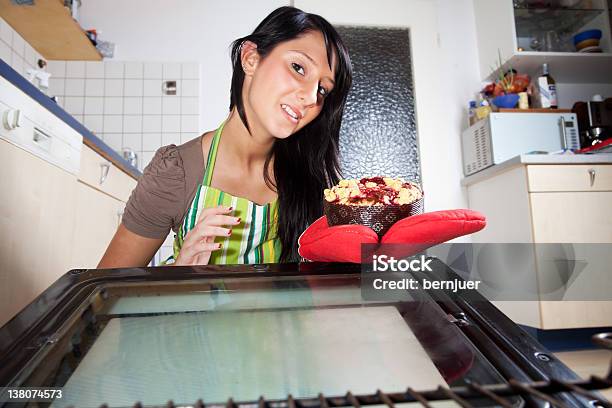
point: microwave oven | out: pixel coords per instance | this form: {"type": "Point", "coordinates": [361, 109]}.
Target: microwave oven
{"type": "Point", "coordinates": [504, 135]}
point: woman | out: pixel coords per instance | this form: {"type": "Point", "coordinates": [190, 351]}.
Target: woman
{"type": "Point", "coordinates": [245, 192]}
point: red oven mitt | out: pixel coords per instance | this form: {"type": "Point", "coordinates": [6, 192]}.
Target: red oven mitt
{"type": "Point", "coordinates": [342, 243]}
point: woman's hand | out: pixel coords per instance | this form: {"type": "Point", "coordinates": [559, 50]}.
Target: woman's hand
{"type": "Point", "coordinates": [199, 243]}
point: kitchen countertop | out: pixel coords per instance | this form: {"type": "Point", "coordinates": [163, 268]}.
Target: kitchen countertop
{"type": "Point", "coordinates": [89, 138]}
{"type": "Point", "coordinates": [523, 159]}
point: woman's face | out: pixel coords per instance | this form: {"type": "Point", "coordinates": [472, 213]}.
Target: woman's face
{"type": "Point", "coordinates": [285, 91]}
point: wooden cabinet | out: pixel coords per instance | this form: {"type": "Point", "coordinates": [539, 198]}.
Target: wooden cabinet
{"type": "Point", "coordinates": [97, 217]}
{"type": "Point", "coordinates": [102, 193]}
{"type": "Point", "coordinates": [511, 29]}
{"type": "Point", "coordinates": [102, 175]}
{"type": "Point", "coordinates": [52, 221]}
{"type": "Point", "coordinates": [549, 204]}
{"type": "Point", "coordinates": [36, 224]}
{"type": "Point", "coordinates": [50, 29]}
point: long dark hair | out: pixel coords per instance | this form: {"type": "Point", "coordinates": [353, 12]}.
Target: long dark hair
{"type": "Point", "coordinates": [306, 162]}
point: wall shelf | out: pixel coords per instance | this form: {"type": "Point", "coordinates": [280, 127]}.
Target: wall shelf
{"type": "Point", "coordinates": [567, 67]}
{"type": "Point", "coordinates": [50, 29]}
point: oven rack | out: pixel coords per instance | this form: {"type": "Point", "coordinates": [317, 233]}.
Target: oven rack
{"type": "Point", "coordinates": [498, 394]}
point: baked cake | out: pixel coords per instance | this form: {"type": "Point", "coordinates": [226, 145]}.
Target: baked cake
{"type": "Point", "coordinates": [376, 202]}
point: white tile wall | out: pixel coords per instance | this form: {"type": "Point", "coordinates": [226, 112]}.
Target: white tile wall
{"type": "Point", "coordinates": [5, 52]}
{"type": "Point", "coordinates": [171, 105]}
{"type": "Point", "coordinates": [94, 87]}
{"type": "Point", "coordinates": [15, 51]}
{"type": "Point", "coordinates": [113, 105]}
{"type": "Point", "coordinates": [74, 87]}
{"type": "Point", "coordinates": [171, 123]}
{"type": "Point", "coordinates": [113, 69]}
{"type": "Point", "coordinates": [153, 70]}
{"type": "Point", "coordinates": [133, 70]}
{"type": "Point", "coordinates": [74, 104]}
{"type": "Point", "coordinates": [132, 124]}
{"type": "Point", "coordinates": [152, 87]}
{"type": "Point", "coordinates": [94, 70]}
{"type": "Point", "coordinates": [94, 105]}
{"type": "Point", "coordinates": [152, 105]}
{"type": "Point", "coordinates": [57, 69]}
{"type": "Point", "coordinates": [123, 103]}
{"type": "Point", "coordinates": [113, 124]}
{"type": "Point", "coordinates": [75, 69]}
{"type": "Point", "coordinates": [132, 87]}
{"type": "Point", "coordinates": [113, 87]}
{"type": "Point", "coordinates": [132, 106]}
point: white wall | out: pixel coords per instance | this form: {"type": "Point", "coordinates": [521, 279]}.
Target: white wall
{"type": "Point", "coordinates": [443, 43]}
{"type": "Point", "coordinates": [570, 93]}
{"type": "Point", "coordinates": [460, 82]}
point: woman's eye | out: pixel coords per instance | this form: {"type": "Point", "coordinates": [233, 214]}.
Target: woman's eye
{"type": "Point", "coordinates": [297, 68]}
{"type": "Point", "coordinates": [322, 91]}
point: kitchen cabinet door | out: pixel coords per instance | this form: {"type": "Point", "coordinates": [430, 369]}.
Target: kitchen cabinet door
{"type": "Point", "coordinates": [36, 224]}
{"type": "Point", "coordinates": [580, 217]}
{"type": "Point", "coordinates": [574, 217]}
{"type": "Point", "coordinates": [97, 217]}
{"type": "Point", "coordinates": [102, 175]}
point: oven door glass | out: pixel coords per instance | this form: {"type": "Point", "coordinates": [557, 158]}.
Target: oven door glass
{"type": "Point", "coordinates": [246, 337]}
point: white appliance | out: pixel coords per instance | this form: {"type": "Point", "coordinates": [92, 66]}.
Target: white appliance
{"type": "Point", "coordinates": [504, 135]}
{"type": "Point", "coordinates": [30, 126]}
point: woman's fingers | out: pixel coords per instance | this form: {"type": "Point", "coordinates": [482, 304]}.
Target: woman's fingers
{"type": "Point", "coordinates": [212, 226]}
{"type": "Point", "coordinates": [204, 230]}
{"type": "Point", "coordinates": [221, 209]}
{"type": "Point", "coordinates": [199, 242]}
{"type": "Point", "coordinates": [220, 220]}
{"type": "Point", "coordinates": [197, 250]}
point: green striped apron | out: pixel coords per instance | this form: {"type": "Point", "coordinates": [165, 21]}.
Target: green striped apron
{"type": "Point", "coordinates": [254, 240]}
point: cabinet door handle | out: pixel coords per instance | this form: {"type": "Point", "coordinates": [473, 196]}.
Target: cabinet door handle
{"type": "Point", "coordinates": [105, 168]}
{"type": "Point", "coordinates": [592, 174]}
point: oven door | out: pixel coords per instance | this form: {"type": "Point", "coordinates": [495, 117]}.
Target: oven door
{"type": "Point", "coordinates": [239, 333]}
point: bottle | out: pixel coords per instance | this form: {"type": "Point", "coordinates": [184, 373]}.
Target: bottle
{"type": "Point", "coordinates": [472, 113]}
{"type": "Point", "coordinates": [547, 90]}
{"type": "Point", "coordinates": [523, 100]}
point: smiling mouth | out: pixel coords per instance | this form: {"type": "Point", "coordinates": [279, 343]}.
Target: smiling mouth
{"type": "Point", "coordinates": [290, 112]}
